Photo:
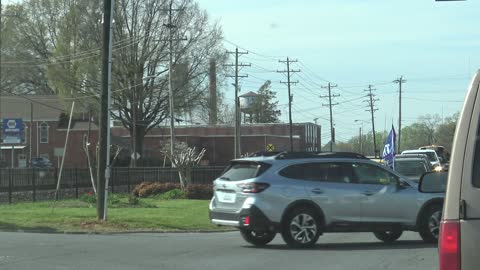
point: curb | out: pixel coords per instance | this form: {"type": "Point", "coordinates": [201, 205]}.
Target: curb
{"type": "Point", "coordinates": [117, 233]}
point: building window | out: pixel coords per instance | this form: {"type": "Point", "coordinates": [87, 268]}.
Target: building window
{"type": "Point", "coordinates": [25, 132]}
{"type": "Point", "coordinates": [44, 132]}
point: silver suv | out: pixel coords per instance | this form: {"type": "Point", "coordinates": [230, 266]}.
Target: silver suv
{"type": "Point", "coordinates": [303, 195]}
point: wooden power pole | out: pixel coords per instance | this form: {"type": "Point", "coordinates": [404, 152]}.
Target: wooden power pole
{"type": "Point", "coordinates": [236, 142]}
{"type": "Point", "coordinates": [330, 105]}
{"type": "Point", "coordinates": [289, 82]}
{"type": "Point", "coordinates": [371, 108]}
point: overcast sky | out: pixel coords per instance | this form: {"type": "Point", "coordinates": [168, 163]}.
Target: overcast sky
{"type": "Point", "coordinates": [355, 43]}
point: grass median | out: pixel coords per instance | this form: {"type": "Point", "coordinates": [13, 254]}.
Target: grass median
{"type": "Point", "coordinates": [148, 214]}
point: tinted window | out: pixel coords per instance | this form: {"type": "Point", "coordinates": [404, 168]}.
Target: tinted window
{"type": "Point", "coordinates": [369, 174]}
{"type": "Point", "coordinates": [294, 171]}
{"type": "Point", "coordinates": [244, 170]}
{"type": "Point", "coordinates": [325, 172]}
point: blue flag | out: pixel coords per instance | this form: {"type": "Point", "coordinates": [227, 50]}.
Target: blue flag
{"type": "Point", "coordinates": [389, 149]}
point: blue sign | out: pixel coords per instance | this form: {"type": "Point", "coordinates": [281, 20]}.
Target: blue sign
{"type": "Point", "coordinates": [12, 131]}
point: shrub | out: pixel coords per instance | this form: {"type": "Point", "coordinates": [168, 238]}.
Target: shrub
{"type": "Point", "coordinates": [199, 191]}
{"type": "Point", "coordinates": [173, 195]}
{"type": "Point", "coordinates": [89, 197]}
{"type": "Point", "coordinates": [132, 200]}
{"type": "Point", "coordinates": [146, 189]}
{"type": "Point", "coordinates": [113, 198]}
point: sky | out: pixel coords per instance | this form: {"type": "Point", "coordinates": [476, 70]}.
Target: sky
{"type": "Point", "coordinates": [352, 44]}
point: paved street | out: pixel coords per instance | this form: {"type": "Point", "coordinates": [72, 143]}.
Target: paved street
{"type": "Point", "coordinates": [208, 251]}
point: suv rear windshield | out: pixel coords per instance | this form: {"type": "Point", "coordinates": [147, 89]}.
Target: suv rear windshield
{"type": "Point", "coordinates": [410, 167]}
{"type": "Point", "coordinates": [242, 170]}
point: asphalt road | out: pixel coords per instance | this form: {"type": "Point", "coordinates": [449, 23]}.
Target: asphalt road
{"type": "Point", "coordinates": [200, 251]}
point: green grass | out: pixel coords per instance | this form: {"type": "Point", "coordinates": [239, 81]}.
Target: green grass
{"type": "Point", "coordinates": [77, 216]}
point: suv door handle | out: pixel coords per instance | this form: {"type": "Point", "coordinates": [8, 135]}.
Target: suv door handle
{"type": "Point", "coordinates": [368, 193]}
{"type": "Point", "coordinates": [317, 191]}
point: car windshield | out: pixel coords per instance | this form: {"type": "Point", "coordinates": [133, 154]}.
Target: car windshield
{"type": "Point", "coordinates": [410, 167]}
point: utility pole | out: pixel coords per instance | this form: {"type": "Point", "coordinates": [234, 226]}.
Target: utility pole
{"type": "Point", "coordinates": [171, 99]}
{"type": "Point", "coordinates": [290, 96]}
{"type": "Point", "coordinates": [30, 137]}
{"type": "Point", "coordinates": [103, 166]}
{"type": "Point", "coordinates": [238, 117]}
{"type": "Point", "coordinates": [360, 139]}
{"type": "Point", "coordinates": [399, 81]}
{"type": "Point", "coordinates": [134, 126]}
{"type": "Point", "coordinates": [371, 103]}
{"type": "Point", "coordinates": [330, 105]}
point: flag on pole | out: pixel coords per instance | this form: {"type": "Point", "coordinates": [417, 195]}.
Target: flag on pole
{"type": "Point", "coordinates": [389, 149]}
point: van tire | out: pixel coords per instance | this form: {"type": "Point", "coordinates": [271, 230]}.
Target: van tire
{"type": "Point", "coordinates": [429, 223]}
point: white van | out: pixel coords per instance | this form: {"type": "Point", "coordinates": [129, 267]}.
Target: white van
{"type": "Point", "coordinates": [460, 223]}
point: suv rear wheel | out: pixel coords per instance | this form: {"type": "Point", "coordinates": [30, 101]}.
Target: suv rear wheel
{"type": "Point", "coordinates": [257, 238]}
{"type": "Point", "coordinates": [429, 225]}
{"type": "Point", "coordinates": [301, 228]}
{"type": "Point", "coordinates": [388, 236]}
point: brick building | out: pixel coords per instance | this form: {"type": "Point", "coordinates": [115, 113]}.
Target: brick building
{"type": "Point", "coordinates": [45, 123]}
{"type": "Point", "coordinates": [45, 132]}
{"type": "Point", "coordinates": [218, 140]}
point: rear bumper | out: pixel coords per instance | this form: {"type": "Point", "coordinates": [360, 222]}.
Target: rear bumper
{"type": "Point", "coordinates": [258, 220]}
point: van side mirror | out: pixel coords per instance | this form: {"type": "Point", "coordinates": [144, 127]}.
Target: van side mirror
{"type": "Point", "coordinates": [433, 182]}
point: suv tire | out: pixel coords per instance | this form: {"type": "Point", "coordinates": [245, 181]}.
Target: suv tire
{"type": "Point", "coordinates": [429, 224]}
{"type": "Point", "coordinates": [388, 236]}
{"type": "Point", "coordinates": [301, 228]}
{"type": "Point", "coordinates": [257, 238]}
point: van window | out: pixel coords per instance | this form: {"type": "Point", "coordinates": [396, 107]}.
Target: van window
{"type": "Point", "coordinates": [476, 162]}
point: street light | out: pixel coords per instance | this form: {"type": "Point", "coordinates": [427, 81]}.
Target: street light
{"type": "Point", "coordinates": [360, 135]}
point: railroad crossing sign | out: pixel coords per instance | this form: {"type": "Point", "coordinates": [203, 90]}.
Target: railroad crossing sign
{"type": "Point", "coordinates": [270, 147]}
{"type": "Point", "coordinates": [135, 156]}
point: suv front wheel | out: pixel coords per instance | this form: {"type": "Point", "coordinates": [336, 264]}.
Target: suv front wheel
{"type": "Point", "coordinates": [257, 238]}
{"type": "Point", "coordinates": [301, 228]}
{"type": "Point", "coordinates": [429, 225]}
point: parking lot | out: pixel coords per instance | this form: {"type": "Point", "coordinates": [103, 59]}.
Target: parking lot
{"type": "Point", "coordinates": [209, 251]}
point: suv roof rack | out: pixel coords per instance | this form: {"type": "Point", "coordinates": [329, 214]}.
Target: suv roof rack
{"type": "Point", "coordinates": [294, 155]}
{"type": "Point", "coordinates": [264, 154]}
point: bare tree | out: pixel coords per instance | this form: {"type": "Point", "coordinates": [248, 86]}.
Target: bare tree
{"type": "Point", "coordinates": [184, 160]}
{"type": "Point", "coordinates": [65, 36]}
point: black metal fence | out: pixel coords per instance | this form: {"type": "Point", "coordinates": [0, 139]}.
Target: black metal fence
{"type": "Point", "coordinates": [31, 182]}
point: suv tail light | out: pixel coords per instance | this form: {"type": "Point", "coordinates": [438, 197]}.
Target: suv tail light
{"type": "Point", "coordinates": [449, 245]}
{"type": "Point", "coordinates": [253, 187]}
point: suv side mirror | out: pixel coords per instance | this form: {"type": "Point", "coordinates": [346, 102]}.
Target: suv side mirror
{"type": "Point", "coordinates": [433, 182]}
